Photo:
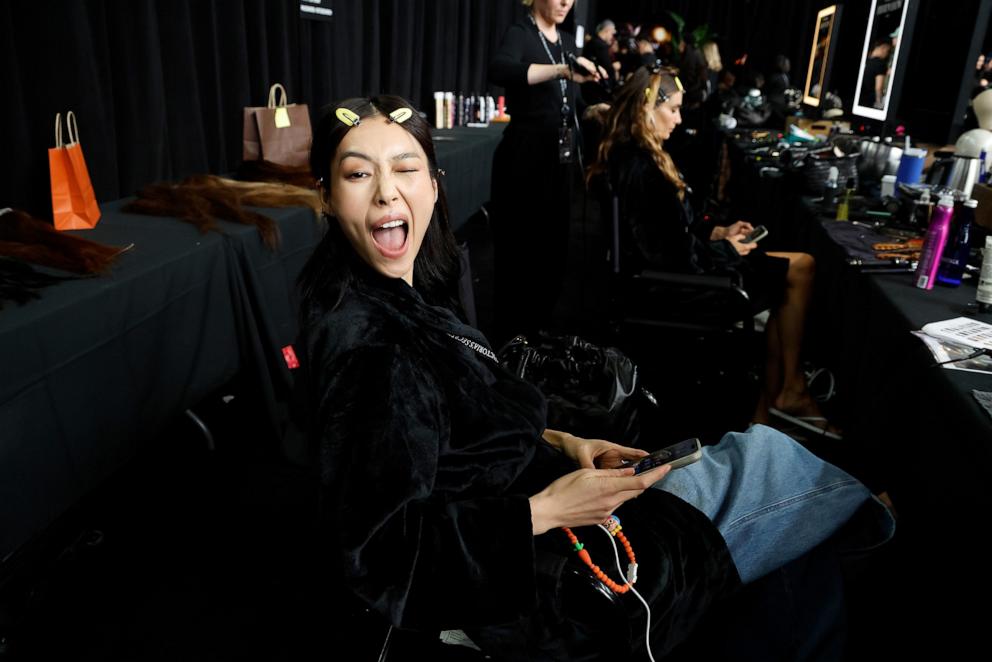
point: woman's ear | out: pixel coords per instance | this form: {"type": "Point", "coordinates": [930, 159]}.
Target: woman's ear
{"type": "Point", "coordinates": [434, 184]}
{"type": "Point", "coordinates": [325, 199]}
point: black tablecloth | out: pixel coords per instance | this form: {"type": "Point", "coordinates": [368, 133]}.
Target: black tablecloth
{"type": "Point", "coordinates": [97, 365]}
{"type": "Point", "coordinates": [466, 156]}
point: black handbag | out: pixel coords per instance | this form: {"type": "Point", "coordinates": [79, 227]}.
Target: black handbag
{"type": "Point", "coordinates": [592, 391]}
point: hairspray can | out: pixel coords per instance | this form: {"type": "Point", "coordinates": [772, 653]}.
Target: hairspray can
{"type": "Point", "coordinates": [933, 245]}
{"type": "Point", "coordinates": [984, 294]}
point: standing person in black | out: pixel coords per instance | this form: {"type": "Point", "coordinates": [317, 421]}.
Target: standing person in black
{"type": "Point", "coordinates": [597, 50]}
{"type": "Point", "coordinates": [534, 165]}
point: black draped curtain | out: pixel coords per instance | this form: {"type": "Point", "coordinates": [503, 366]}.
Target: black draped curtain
{"type": "Point", "coordinates": [158, 87]}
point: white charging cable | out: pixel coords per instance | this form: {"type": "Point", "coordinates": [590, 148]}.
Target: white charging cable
{"type": "Point", "coordinates": [631, 578]}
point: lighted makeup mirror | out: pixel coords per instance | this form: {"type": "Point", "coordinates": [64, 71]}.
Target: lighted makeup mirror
{"type": "Point", "coordinates": [822, 55]}
{"type": "Point", "coordinates": [890, 24]}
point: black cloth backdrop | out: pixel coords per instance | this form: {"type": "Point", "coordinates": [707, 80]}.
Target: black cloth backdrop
{"type": "Point", "coordinates": [158, 87]}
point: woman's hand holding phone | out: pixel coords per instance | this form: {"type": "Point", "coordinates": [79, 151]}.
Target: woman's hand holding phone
{"type": "Point", "coordinates": [588, 496]}
{"type": "Point", "coordinates": [725, 232]}
{"type": "Point", "coordinates": [740, 246]}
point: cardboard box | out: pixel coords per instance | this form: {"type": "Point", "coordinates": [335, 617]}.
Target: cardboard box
{"type": "Point", "coordinates": [817, 127]}
{"type": "Point", "coordinates": [983, 214]}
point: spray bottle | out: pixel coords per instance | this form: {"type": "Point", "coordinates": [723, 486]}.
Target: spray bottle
{"type": "Point", "coordinates": [933, 245]}
{"type": "Point", "coordinates": [984, 294]}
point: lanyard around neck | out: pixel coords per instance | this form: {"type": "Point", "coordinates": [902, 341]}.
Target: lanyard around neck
{"type": "Point", "coordinates": [547, 49]}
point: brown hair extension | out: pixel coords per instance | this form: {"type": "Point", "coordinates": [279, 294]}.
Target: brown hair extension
{"type": "Point", "coordinates": [266, 171]}
{"type": "Point", "coordinates": [273, 194]}
{"type": "Point", "coordinates": [33, 240]}
{"type": "Point", "coordinates": [197, 201]}
{"type": "Point", "coordinates": [628, 121]}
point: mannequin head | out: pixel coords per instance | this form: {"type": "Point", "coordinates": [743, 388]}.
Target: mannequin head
{"type": "Point", "coordinates": [982, 105]}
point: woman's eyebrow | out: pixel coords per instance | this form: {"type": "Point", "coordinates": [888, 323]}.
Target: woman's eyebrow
{"type": "Point", "coordinates": [366, 157]}
{"type": "Point", "coordinates": [357, 155]}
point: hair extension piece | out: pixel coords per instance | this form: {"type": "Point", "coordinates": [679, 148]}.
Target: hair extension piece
{"type": "Point", "coordinates": [20, 282]}
{"type": "Point", "coordinates": [33, 240]}
{"type": "Point", "coordinates": [201, 199]}
{"type": "Point", "coordinates": [274, 194]}
{"type": "Point", "coordinates": [198, 202]}
{"type": "Point", "coordinates": [266, 171]}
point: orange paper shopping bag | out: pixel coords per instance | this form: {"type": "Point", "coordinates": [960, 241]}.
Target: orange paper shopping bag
{"type": "Point", "coordinates": [73, 201]}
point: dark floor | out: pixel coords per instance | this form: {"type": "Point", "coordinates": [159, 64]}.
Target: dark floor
{"type": "Point", "coordinates": [196, 555]}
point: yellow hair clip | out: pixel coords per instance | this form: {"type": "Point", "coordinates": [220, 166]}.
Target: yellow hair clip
{"type": "Point", "coordinates": [348, 117]}
{"type": "Point", "coordinates": [678, 84]}
{"type": "Point", "coordinates": [648, 95]}
{"type": "Point", "coordinates": [401, 115]}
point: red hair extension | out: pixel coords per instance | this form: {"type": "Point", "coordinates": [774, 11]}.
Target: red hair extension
{"type": "Point", "coordinates": [33, 240]}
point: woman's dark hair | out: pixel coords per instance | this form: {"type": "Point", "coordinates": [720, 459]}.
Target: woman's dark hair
{"type": "Point", "coordinates": [330, 270]}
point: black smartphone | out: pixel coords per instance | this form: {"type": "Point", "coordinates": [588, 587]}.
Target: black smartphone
{"type": "Point", "coordinates": [756, 234]}
{"type": "Point", "coordinates": [677, 455]}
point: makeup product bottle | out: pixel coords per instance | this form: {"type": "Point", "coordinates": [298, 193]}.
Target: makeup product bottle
{"type": "Point", "coordinates": [984, 294]}
{"type": "Point", "coordinates": [439, 110]}
{"type": "Point", "coordinates": [933, 244]}
{"type": "Point", "coordinates": [959, 247]}
{"type": "Point", "coordinates": [844, 206]}
{"type": "Point", "coordinates": [449, 105]}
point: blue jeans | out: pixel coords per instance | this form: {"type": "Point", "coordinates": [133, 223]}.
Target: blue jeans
{"type": "Point", "coordinates": [770, 498]}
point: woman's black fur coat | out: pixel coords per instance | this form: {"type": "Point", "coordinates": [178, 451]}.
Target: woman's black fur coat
{"type": "Point", "coordinates": [428, 453]}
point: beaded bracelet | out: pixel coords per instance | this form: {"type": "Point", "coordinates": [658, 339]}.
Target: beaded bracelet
{"type": "Point", "coordinates": [612, 525]}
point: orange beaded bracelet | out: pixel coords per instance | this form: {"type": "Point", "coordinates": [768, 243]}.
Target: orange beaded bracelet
{"type": "Point", "coordinates": [612, 525]}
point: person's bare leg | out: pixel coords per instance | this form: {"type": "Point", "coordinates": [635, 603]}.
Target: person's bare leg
{"type": "Point", "coordinates": [791, 317]}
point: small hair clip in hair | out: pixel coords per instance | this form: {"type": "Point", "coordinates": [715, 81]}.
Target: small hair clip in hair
{"type": "Point", "coordinates": [347, 116]}
{"type": "Point", "coordinates": [678, 84]}
{"type": "Point", "coordinates": [440, 172]}
{"type": "Point", "coordinates": [401, 115]}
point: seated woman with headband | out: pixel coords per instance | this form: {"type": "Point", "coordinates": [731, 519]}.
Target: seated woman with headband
{"type": "Point", "coordinates": [443, 493]}
{"type": "Point", "coordinates": [655, 205]}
